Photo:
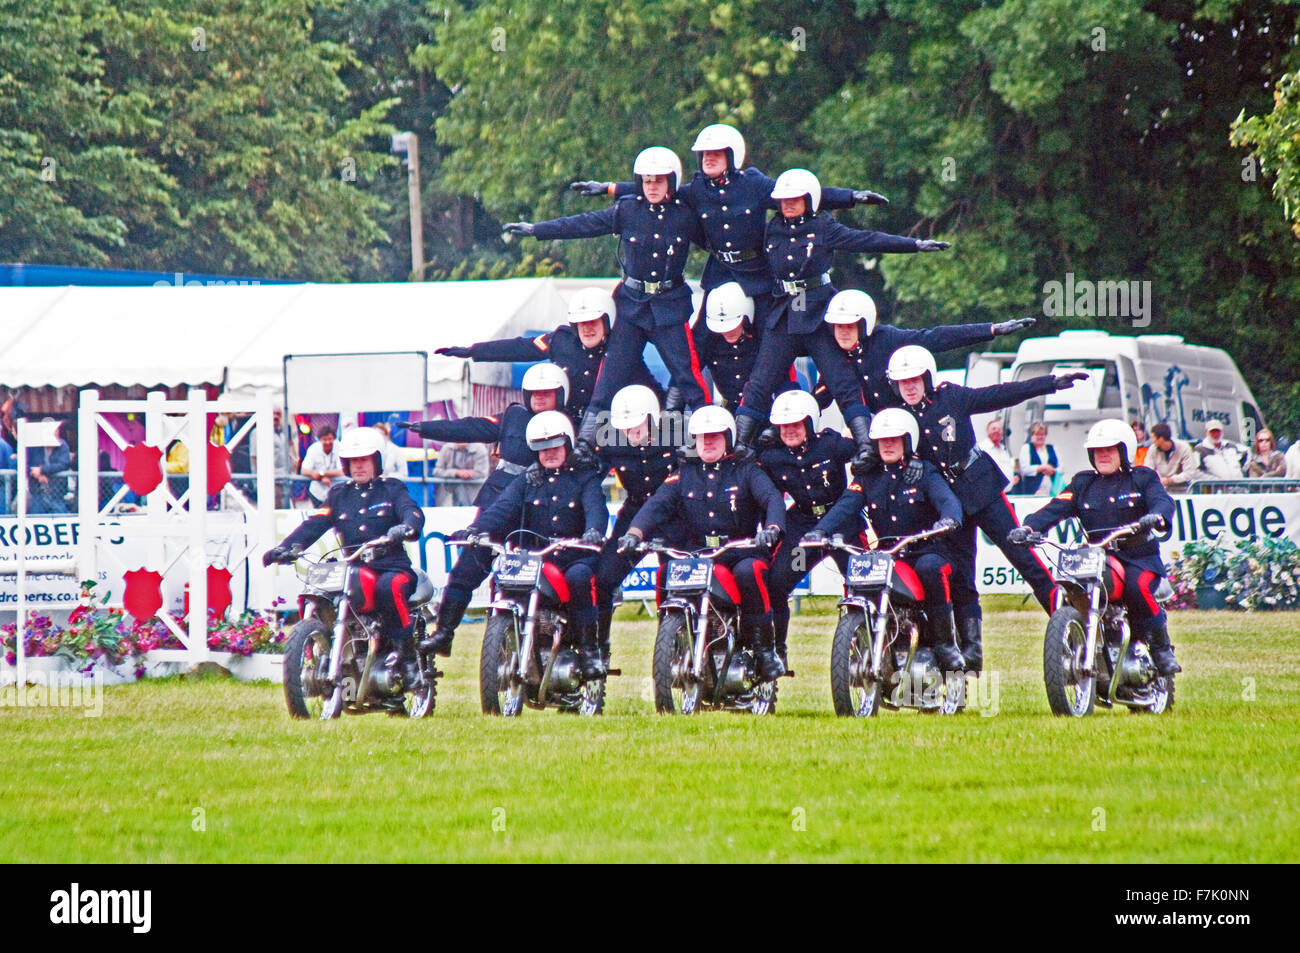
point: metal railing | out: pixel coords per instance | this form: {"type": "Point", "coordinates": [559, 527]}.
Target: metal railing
{"type": "Point", "coordinates": [1245, 485]}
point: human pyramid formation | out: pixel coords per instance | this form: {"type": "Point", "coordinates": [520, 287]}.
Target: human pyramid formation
{"type": "Point", "coordinates": [593, 407]}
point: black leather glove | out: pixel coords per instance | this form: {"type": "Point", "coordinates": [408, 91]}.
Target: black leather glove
{"type": "Point", "coordinates": [534, 474]}
{"type": "Point", "coordinates": [474, 535]}
{"type": "Point", "coordinates": [768, 537]}
{"type": "Point", "coordinates": [273, 555]}
{"type": "Point", "coordinates": [945, 525]}
{"type": "Point", "coordinates": [927, 244]}
{"type": "Point", "coordinates": [1152, 521]}
{"type": "Point", "coordinates": [584, 455]}
{"type": "Point", "coordinates": [1066, 381]}
{"type": "Point", "coordinates": [400, 533]}
{"type": "Point", "coordinates": [813, 536]}
{"type": "Point", "coordinates": [459, 536]}
{"type": "Point", "coordinates": [864, 197]}
{"type": "Point", "coordinates": [405, 424]}
{"type": "Point", "coordinates": [744, 453]}
{"type": "Point", "coordinates": [915, 470]}
{"type": "Point", "coordinates": [590, 187]}
{"type": "Point", "coordinates": [518, 228]}
{"type": "Point", "coordinates": [769, 437]}
{"type": "Point", "coordinates": [866, 459]}
{"type": "Point", "coordinates": [628, 544]}
{"type": "Point", "coordinates": [1022, 536]}
{"type": "Point", "coordinates": [593, 537]}
{"type": "Point", "coordinates": [453, 351]}
{"type": "Point", "coordinates": [1010, 327]}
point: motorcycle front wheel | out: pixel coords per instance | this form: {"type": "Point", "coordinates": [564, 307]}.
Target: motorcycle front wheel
{"type": "Point", "coordinates": [500, 692]}
{"type": "Point", "coordinates": [672, 658]}
{"type": "Point", "coordinates": [306, 662]}
{"type": "Point", "coordinates": [854, 692]}
{"type": "Point", "coordinates": [1070, 691]}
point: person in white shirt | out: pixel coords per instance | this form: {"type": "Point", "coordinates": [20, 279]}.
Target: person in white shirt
{"type": "Point", "coordinates": [1293, 461]}
{"type": "Point", "coordinates": [321, 465]}
{"type": "Point", "coordinates": [995, 448]}
{"type": "Point", "coordinates": [1220, 459]}
{"type": "Point", "coordinates": [392, 456]}
{"type": "Point", "coordinates": [1038, 463]}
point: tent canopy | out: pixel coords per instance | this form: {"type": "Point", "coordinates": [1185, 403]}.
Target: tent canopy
{"type": "Point", "coordinates": [239, 336]}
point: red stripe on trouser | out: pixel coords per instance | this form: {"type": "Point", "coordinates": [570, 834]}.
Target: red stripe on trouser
{"type": "Point", "coordinates": [1016, 519]}
{"type": "Point", "coordinates": [946, 571]}
{"type": "Point", "coordinates": [760, 569]}
{"type": "Point", "coordinates": [594, 600]}
{"type": "Point", "coordinates": [398, 587]}
{"type": "Point", "coordinates": [1144, 587]}
{"type": "Point", "coordinates": [695, 364]}
{"type": "Point", "coordinates": [368, 580]}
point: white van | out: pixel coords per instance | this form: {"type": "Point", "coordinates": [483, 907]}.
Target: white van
{"type": "Point", "coordinates": [1150, 377]}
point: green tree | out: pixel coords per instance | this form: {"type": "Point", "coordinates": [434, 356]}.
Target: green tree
{"type": "Point", "coordinates": [1274, 140]}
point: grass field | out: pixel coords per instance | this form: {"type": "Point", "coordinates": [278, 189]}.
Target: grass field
{"type": "Point", "coordinates": [215, 771]}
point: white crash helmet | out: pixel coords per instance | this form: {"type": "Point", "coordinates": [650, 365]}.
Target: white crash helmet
{"type": "Point", "coordinates": [721, 136]}
{"type": "Point", "coordinates": [793, 406]}
{"type": "Point", "coordinates": [910, 361]}
{"type": "Point", "coordinates": [546, 376]}
{"type": "Point", "coordinates": [362, 442]}
{"type": "Point", "coordinates": [658, 160]}
{"type": "Point", "coordinates": [793, 183]}
{"type": "Point", "coordinates": [896, 422]}
{"type": "Point", "coordinates": [728, 306]}
{"type": "Point", "coordinates": [549, 429]}
{"type": "Point", "coordinates": [632, 405]}
{"type": "Point", "coordinates": [713, 419]}
{"type": "Point", "coordinates": [851, 306]}
{"type": "Point", "coordinates": [1112, 433]}
{"type": "Point", "coordinates": [591, 304]}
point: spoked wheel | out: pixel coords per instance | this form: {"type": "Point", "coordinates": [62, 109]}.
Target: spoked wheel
{"type": "Point", "coordinates": [500, 692]}
{"type": "Point", "coordinates": [306, 665]}
{"type": "Point", "coordinates": [1164, 700]}
{"type": "Point", "coordinates": [853, 691]}
{"type": "Point", "coordinates": [954, 693]}
{"type": "Point", "coordinates": [593, 697]}
{"type": "Point", "coordinates": [764, 702]}
{"type": "Point", "coordinates": [671, 667]}
{"type": "Point", "coordinates": [1070, 691]}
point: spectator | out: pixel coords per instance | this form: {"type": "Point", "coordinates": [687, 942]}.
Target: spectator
{"type": "Point", "coordinates": [1038, 463]}
{"type": "Point", "coordinates": [11, 411]}
{"type": "Point", "coordinates": [8, 461]}
{"type": "Point", "coordinates": [1267, 460]}
{"type": "Point", "coordinates": [280, 457]}
{"type": "Point", "coordinates": [995, 448]}
{"type": "Point", "coordinates": [47, 481]}
{"type": "Point", "coordinates": [1220, 459]}
{"type": "Point", "coordinates": [1174, 460]}
{"type": "Point", "coordinates": [1293, 461]}
{"type": "Point", "coordinates": [463, 461]}
{"type": "Point", "coordinates": [393, 458]}
{"type": "Point", "coordinates": [1143, 443]}
{"type": "Point", "coordinates": [321, 465]}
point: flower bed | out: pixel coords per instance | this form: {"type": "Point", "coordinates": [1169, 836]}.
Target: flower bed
{"type": "Point", "coordinates": [99, 637]}
{"type": "Point", "coordinates": [1252, 574]}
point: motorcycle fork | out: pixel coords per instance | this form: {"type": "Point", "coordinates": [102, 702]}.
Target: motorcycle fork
{"type": "Point", "coordinates": [340, 636]}
{"type": "Point", "coordinates": [1119, 659]}
{"type": "Point", "coordinates": [526, 649]}
{"type": "Point", "coordinates": [701, 633]}
{"type": "Point", "coordinates": [878, 640]}
{"type": "Point", "coordinates": [1094, 630]}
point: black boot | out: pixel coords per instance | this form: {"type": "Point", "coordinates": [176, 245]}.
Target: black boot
{"type": "Point", "coordinates": [405, 664]}
{"type": "Point", "coordinates": [764, 641]}
{"type": "Point", "coordinates": [674, 400]}
{"type": "Point", "coordinates": [589, 661]}
{"type": "Point", "coordinates": [972, 648]}
{"type": "Point", "coordinates": [868, 457]}
{"type": "Point", "coordinates": [1162, 653]}
{"type": "Point", "coordinates": [450, 613]}
{"type": "Point", "coordinates": [746, 427]}
{"type": "Point", "coordinates": [584, 450]}
{"type": "Point", "coordinates": [943, 640]}
{"type": "Point", "coordinates": [781, 623]}
{"type": "Point", "coordinates": [602, 633]}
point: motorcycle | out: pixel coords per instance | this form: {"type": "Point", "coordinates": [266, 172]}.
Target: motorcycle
{"type": "Point", "coordinates": [877, 656]}
{"type": "Point", "coordinates": [1088, 641]}
{"type": "Point", "coordinates": [332, 660]}
{"type": "Point", "coordinates": [698, 656]}
{"type": "Point", "coordinates": [524, 660]}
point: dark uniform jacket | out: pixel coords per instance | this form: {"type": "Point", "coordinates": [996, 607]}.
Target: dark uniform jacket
{"type": "Point", "coordinates": [813, 474]}
{"type": "Point", "coordinates": [360, 513]}
{"type": "Point", "coordinates": [654, 241]}
{"type": "Point", "coordinates": [1103, 503]}
{"type": "Point", "coordinates": [563, 347]}
{"type": "Point", "coordinates": [871, 357]}
{"type": "Point", "coordinates": [731, 210]}
{"type": "Point", "coordinates": [567, 503]}
{"type": "Point", "coordinates": [948, 439]}
{"type": "Point", "coordinates": [506, 430]}
{"type": "Point", "coordinates": [726, 499]}
{"type": "Point", "coordinates": [804, 250]}
{"type": "Point", "coordinates": [895, 509]}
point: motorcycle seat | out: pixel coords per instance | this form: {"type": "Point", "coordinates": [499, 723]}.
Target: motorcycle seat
{"type": "Point", "coordinates": [1164, 592]}
{"type": "Point", "coordinates": [423, 589]}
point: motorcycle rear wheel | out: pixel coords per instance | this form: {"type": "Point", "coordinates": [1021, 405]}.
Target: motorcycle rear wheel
{"type": "Point", "coordinates": [305, 655]}
{"type": "Point", "coordinates": [498, 660]}
{"type": "Point", "coordinates": [851, 652]}
{"type": "Point", "coordinates": [1069, 693]}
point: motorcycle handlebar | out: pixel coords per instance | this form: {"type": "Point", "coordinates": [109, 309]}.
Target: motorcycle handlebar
{"type": "Point", "coordinates": [653, 546]}
{"type": "Point", "coordinates": [500, 549]}
{"type": "Point", "coordinates": [1119, 532]}
{"type": "Point", "coordinates": [837, 542]}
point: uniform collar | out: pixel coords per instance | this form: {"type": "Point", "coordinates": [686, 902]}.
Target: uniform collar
{"type": "Point", "coordinates": [797, 222]}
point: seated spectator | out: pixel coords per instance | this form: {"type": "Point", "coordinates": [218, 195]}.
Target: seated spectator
{"type": "Point", "coordinates": [1173, 459]}
{"type": "Point", "coordinates": [1266, 460]}
{"type": "Point", "coordinates": [8, 461]}
{"type": "Point", "coordinates": [1293, 461]}
{"type": "Point", "coordinates": [393, 458]}
{"type": "Point", "coordinates": [995, 448]}
{"type": "Point", "coordinates": [1143, 443]}
{"type": "Point", "coordinates": [47, 480]}
{"type": "Point", "coordinates": [463, 461]}
{"type": "Point", "coordinates": [1038, 463]}
{"type": "Point", "coordinates": [1220, 459]}
{"type": "Point", "coordinates": [321, 465]}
